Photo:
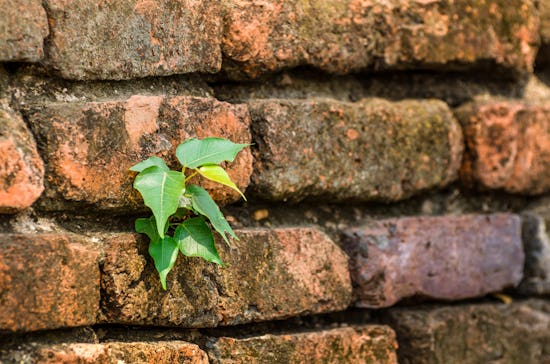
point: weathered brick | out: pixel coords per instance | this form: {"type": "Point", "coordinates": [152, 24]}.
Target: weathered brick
{"type": "Point", "coordinates": [270, 274]}
{"type": "Point", "coordinates": [90, 146]}
{"type": "Point", "coordinates": [354, 35]}
{"type": "Point", "coordinates": [23, 27]}
{"type": "Point", "coordinates": [536, 280]}
{"type": "Point", "coordinates": [47, 281]}
{"type": "Point", "coordinates": [111, 352]}
{"type": "Point", "coordinates": [21, 169]}
{"type": "Point", "coordinates": [133, 38]}
{"type": "Point", "coordinates": [544, 16]}
{"type": "Point", "coordinates": [442, 257]}
{"type": "Point", "coordinates": [477, 333]}
{"type": "Point", "coordinates": [369, 150]}
{"type": "Point", "coordinates": [362, 344]}
{"type": "Point", "coordinates": [507, 145]}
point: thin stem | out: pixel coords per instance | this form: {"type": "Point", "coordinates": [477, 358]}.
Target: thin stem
{"type": "Point", "coordinates": [191, 176]}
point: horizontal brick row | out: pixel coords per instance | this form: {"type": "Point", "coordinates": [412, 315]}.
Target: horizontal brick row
{"type": "Point", "coordinates": [370, 344]}
{"type": "Point", "coordinates": [136, 38]}
{"type": "Point", "coordinates": [89, 147]}
{"type": "Point", "coordinates": [54, 280]}
{"type": "Point", "coordinates": [443, 257]}
{"type": "Point", "coordinates": [370, 150]}
{"type": "Point", "coordinates": [473, 333]}
{"type": "Point", "coordinates": [363, 344]}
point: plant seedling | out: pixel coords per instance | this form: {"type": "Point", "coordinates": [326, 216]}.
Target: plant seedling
{"type": "Point", "coordinates": [184, 215]}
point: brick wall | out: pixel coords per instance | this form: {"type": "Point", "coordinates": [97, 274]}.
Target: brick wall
{"type": "Point", "coordinates": [398, 183]}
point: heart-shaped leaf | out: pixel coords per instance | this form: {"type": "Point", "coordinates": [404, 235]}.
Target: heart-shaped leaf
{"type": "Point", "coordinates": [164, 253]}
{"type": "Point", "coordinates": [217, 174]}
{"type": "Point", "coordinates": [194, 153]}
{"type": "Point", "coordinates": [203, 204]}
{"type": "Point", "coordinates": [161, 191]}
{"type": "Point", "coordinates": [149, 162]}
{"type": "Point", "coordinates": [195, 239]}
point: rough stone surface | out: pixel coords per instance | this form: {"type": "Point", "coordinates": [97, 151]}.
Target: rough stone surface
{"type": "Point", "coordinates": [369, 150]}
{"type": "Point", "coordinates": [90, 146]}
{"type": "Point", "coordinates": [23, 27]}
{"type": "Point", "coordinates": [536, 280]}
{"type": "Point", "coordinates": [544, 16]}
{"type": "Point", "coordinates": [507, 145]}
{"type": "Point", "coordinates": [518, 333]}
{"type": "Point", "coordinates": [354, 35]}
{"type": "Point", "coordinates": [164, 352]}
{"type": "Point", "coordinates": [21, 169]}
{"type": "Point", "coordinates": [47, 281]}
{"type": "Point", "coordinates": [443, 257]}
{"type": "Point", "coordinates": [270, 274]}
{"type": "Point", "coordinates": [133, 38]}
{"type": "Point", "coordinates": [363, 344]}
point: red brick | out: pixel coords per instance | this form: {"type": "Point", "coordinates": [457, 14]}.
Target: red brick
{"type": "Point", "coordinates": [362, 344]}
{"type": "Point", "coordinates": [441, 257]}
{"type": "Point", "coordinates": [270, 274]}
{"type": "Point", "coordinates": [369, 150]}
{"type": "Point", "coordinates": [90, 146]}
{"type": "Point", "coordinates": [23, 27]}
{"type": "Point", "coordinates": [355, 35]}
{"type": "Point", "coordinates": [47, 281]}
{"type": "Point", "coordinates": [121, 352]}
{"type": "Point", "coordinates": [507, 146]}
{"type": "Point", "coordinates": [473, 333]}
{"type": "Point", "coordinates": [133, 38]}
{"type": "Point", "coordinates": [21, 169]}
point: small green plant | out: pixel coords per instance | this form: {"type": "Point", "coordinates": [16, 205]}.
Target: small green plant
{"type": "Point", "coordinates": [180, 211]}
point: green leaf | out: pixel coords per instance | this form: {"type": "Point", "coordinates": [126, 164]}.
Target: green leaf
{"type": "Point", "coordinates": [149, 162]}
{"type": "Point", "coordinates": [149, 227]}
{"type": "Point", "coordinates": [161, 191]}
{"type": "Point", "coordinates": [203, 204]}
{"type": "Point", "coordinates": [218, 174]}
{"type": "Point", "coordinates": [195, 239]}
{"type": "Point", "coordinates": [164, 253]}
{"type": "Point", "coordinates": [194, 153]}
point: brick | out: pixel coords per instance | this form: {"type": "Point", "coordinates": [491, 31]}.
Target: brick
{"type": "Point", "coordinates": [544, 15]}
{"type": "Point", "coordinates": [113, 352]}
{"type": "Point", "coordinates": [269, 274]}
{"type": "Point", "coordinates": [352, 36]}
{"type": "Point", "coordinates": [439, 257]}
{"type": "Point", "coordinates": [474, 333]}
{"type": "Point", "coordinates": [90, 146]}
{"type": "Point", "coordinates": [23, 27]}
{"type": "Point", "coordinates": [47, 281]}
{"type": "Point", "coordinates": [536, 243]}
{"type": "Point", "coordinates": [133, 38]}
{"type": "Point", "coordinates": [369, 150]}
{"type": "Point", "coordinates": [21, 169]}
{"type": "Point", "coordinates": [507, 146]}
{"type": "Point", "coordinates": [363, 344]}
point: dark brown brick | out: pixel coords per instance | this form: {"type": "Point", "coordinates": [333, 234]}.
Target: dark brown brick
{"type": "Point", "coordinates": [369, 150]}
{"type": "Point", "coordinates": [133, 38]}
{"type": "Point", "coordinates": [354, 35]}
{"type": "Point", "coordinates": [507, 145]}
{"type": "Point", "coordinates": [23, 27]}
{"type": "Point", "coordinates": [120, 352]}
{"type": "Point", "coordinates": [362, 344]}
{"type": "Point", "coordinates": [270, 274]}
{"type": "Point", "coordinates": [90, 146]}
{"type": "Point", "coordinates": [47, 281]}
{"type": "Point", "coordinates": [21, 169]}
{"type": "Point", "coordinates": [536, 243]}
{"type": "Point", "coordinates": [518, 333]}
{"type": "Point", "coordinates": [443, 257]}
